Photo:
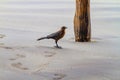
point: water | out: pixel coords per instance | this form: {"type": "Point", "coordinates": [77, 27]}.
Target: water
{"type": "Point", "coordinates": [105, 17]}
{"type": "Point", "coordinates": [48, 15]}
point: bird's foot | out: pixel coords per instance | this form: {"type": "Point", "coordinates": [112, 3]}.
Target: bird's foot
{"type": "Point", "coordinates": [58, 47]}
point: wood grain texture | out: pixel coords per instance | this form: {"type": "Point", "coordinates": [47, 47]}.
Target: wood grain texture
{"type": "Point", "coordinates": [82, 22]}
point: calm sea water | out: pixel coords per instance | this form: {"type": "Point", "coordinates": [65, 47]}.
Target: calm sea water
{"type": "Point", "coordinates": [46, 15]}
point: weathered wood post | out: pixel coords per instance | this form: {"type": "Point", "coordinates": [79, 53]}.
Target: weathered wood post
{"type": "Point", "coordinates": [82, 22]}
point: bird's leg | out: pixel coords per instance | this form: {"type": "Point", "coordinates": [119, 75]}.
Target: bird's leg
{"type": "Point", "coordinates": [57, 44]}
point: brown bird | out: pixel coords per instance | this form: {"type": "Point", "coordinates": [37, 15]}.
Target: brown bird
{"type": "Point", "coordinates": [56, 36]}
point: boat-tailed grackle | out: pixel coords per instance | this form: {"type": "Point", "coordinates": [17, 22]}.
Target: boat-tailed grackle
{"type": "Point", "coordinates": [56, 36]}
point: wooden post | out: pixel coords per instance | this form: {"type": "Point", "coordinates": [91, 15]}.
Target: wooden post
{"type": "Point", "coordinates": [82, 23]}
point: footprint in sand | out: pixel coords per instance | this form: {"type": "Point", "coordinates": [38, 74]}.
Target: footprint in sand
{"type": "Point", "coordinates": [1, 43]}
{"type": "Point", "coordinates": [19, 66]}
{"type": "Point", "coordinates": [2, 36]}
{"type": "Point", "coordinates": [5, 47]}
{"type": "Point", "coordinates": [8, 47]}
{"type": "Point", "coordinates": [20, 55]}
{"type": "Point", "coordinates": [17, 57]}
{"type": "Point", "coordinates": [41, 67]}
{"type": "Point", "coordinates": [58, 76]}
{"type": "Point", "coordinates": [12, 59]}
{"type": "Point", "coordinates": [49, 54]}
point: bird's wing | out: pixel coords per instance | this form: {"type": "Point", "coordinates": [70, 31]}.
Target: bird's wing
{"type": "Point", "coordinates": [53, 35]}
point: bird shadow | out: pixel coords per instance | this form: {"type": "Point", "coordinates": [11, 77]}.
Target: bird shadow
{"type": "Point", "coordinates": [54, 47]}
{"type": "Point", "coordinates": [58, 47]}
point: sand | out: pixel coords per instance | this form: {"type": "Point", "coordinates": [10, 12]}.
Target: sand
{"type": "Point", "coordinates": [23, 58]}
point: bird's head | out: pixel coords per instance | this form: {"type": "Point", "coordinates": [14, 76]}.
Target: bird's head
{"type": "Point", "coordinates": [63, 27]}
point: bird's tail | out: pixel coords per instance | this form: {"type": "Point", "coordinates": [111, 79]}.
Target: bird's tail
{"type": "Point", "coordinates": [41, 38]}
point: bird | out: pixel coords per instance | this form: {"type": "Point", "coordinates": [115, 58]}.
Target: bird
{"type": "Point", "coordinates": [55, 36]}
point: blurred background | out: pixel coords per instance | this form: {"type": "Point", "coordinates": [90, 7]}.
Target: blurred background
{"type": "Point", "coordinates": [49, 15]}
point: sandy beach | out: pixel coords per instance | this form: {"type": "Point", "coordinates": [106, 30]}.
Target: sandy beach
{"type": "Point", "coordinates": [23, 58]}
